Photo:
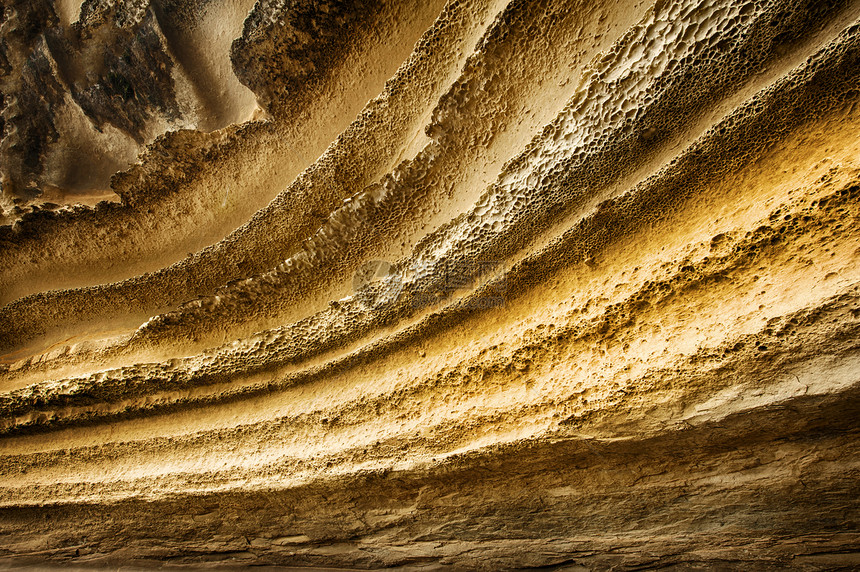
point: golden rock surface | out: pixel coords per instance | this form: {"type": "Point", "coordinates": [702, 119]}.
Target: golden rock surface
{"type": "Point", "coordinates": [429, 285]}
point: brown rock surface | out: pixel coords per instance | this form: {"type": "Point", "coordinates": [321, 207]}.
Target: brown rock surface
{"type": "Point", "coordinates": [425, 285]}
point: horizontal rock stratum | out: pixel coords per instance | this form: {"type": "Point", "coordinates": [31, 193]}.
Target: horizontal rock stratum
{"type": "Point", "coordinates": [416, 284]}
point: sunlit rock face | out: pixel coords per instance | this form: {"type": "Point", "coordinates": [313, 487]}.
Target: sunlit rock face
{"type": "Point", "coordinates": [443, 285]}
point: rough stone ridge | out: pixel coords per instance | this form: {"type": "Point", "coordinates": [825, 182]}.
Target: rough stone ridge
{"type": "Point", "coordinates": [460, 285]}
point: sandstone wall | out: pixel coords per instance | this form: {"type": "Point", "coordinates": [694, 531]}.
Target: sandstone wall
{"type": "Point", "coordinates": [472, 284]}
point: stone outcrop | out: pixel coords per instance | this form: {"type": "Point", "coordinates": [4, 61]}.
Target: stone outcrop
{"type": "Point", "coordinates": [473, 284]}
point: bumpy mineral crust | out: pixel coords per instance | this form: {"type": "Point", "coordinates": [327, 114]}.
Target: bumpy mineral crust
{"type": "Point", "coordinates": [477, 284]}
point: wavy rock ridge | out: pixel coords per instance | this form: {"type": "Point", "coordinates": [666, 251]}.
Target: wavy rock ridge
{"type": "Point", "coordinates": [473, 284]}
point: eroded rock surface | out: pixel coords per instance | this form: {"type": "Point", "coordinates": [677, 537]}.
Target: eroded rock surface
{"type": "Point", "coordinates": [473, 284]}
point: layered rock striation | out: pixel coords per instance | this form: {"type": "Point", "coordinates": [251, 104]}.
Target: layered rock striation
{"type": "Point", "coordinates": [473, 284]}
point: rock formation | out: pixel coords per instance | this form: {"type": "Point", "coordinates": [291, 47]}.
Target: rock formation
{"type": "Point", "coordinates": [476, 284]}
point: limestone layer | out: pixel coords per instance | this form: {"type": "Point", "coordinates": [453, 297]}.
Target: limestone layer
{"type": "Point", "coordinates": [473, 284]}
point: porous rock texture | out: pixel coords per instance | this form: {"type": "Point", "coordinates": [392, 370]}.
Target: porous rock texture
{"type": "Point", "coordinates": [416, 284]}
